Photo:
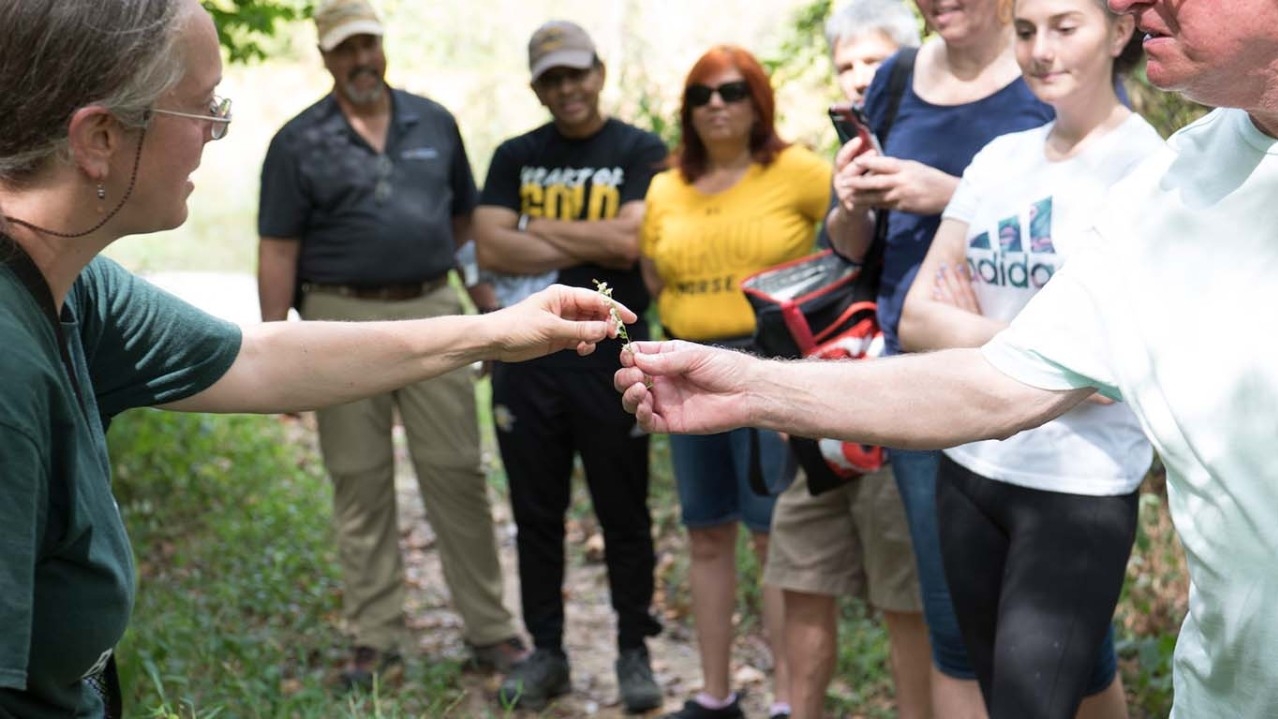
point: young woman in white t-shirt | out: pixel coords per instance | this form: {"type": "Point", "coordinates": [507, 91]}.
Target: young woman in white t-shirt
{"type": "Point", "coordinates": [1036, 529]}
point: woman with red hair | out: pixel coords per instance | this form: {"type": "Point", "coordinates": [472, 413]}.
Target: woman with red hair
{"type": "Point", "coordinates": [737, 199]}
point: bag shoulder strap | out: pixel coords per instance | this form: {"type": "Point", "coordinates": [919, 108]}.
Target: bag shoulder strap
{"type": "Point", "coordinates": [898, 81]}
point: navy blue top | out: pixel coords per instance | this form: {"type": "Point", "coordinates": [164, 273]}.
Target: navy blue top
{"type": "Point", "coordinates": [366, 218]}
{"type": "Point", "coordinates": [945, 137]}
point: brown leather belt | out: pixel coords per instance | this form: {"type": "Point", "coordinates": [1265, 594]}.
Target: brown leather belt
{"type": "Point", "coordinates": [394, 292]}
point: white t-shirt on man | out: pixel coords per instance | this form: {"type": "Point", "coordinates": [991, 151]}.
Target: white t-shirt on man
{"type": "Point", "coordinates": [1025, 215]}
{"type": "Point", "coordinates": [1175, 309]}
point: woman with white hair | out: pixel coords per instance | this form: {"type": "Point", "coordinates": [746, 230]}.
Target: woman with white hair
{"type": "Point", "coordinates": [864, 33]}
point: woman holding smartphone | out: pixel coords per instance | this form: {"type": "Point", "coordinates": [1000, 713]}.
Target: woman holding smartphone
{"type": "Point", "coordinates": [1036, 529]}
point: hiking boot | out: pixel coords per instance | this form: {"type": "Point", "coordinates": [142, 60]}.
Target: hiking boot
{"type": "Point", "coordinates": [694, 710]}
{"type": "Point", "coordinates": [639, 691]}
{"type": "Point", "coordinates": [500, 657]}
{"type": "Point", "coordinates": [535, 681]}
{"type": "Point", "coordinates": [369, 666]}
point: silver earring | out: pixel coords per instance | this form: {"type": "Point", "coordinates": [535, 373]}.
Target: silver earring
{"type": "Point", "coordinates": [101, 191]}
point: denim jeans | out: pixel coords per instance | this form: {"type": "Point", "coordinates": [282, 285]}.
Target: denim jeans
{"type": "Point", "coordinates": [916, 478]}
{"type": "Point", "coordinates": [713, 477]}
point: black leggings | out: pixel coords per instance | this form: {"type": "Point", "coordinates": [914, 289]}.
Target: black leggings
{"type": "Point", "coordinates": [1034, 577]}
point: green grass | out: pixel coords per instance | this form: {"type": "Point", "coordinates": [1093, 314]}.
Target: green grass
{"type": "Point", "coordinates": [238, 587]}
{"type": "Point", "coordinates": [863, 680]}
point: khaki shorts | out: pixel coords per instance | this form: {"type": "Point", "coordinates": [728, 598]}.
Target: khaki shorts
{"type": "Point", "coordinates": [852, 540]}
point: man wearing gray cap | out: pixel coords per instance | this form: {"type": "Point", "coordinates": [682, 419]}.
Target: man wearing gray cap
{"type": "Point", "coordinates": [564, 203]}
{"type": "Point", "coordinates": [366, 196]}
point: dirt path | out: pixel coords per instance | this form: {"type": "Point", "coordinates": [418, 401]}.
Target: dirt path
{"type": "Point", "coordinates": [590, 631]}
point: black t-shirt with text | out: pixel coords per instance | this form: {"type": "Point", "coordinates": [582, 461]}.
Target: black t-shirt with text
{"type": "Point", "coordinates": [544, 174]}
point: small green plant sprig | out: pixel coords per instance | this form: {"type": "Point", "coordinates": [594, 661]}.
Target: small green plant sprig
{"type": "Point", "coordinates": [603, 289]}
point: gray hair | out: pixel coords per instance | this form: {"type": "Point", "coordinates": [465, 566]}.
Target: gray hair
{"type": "Point", "coordinates": [861, 17]}
{"type": "Point", "coordinates": [58, 57]}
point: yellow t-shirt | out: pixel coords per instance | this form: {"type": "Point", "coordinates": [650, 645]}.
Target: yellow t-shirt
{"type": "Point", "coordinates": [704, 245]}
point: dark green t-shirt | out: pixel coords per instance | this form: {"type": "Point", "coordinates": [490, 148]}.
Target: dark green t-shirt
{"type": "Point", "coordinates": [65, 565]}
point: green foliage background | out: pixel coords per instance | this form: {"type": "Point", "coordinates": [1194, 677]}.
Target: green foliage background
{"type": "Point", "coordinates": [246, 27]}
{"type": "Point", "coordinates": [238, 588]}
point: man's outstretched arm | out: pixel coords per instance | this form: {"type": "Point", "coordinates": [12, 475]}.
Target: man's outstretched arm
{"type": "Point", "coordinates": [924, 401]}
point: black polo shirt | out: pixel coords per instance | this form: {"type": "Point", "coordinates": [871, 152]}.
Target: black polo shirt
{"type": "Point", "coordinates": [366, 218]}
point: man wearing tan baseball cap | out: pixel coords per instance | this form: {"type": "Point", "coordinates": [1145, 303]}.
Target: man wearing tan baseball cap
{"type": "Point", "coordinates": [365, 197]}
{"type": "Point", "coordinates": [338, 20]}
{"type": "Point", "coordinates": [560, 43]}
{"type": "Point", "coordinates": [564, 203]}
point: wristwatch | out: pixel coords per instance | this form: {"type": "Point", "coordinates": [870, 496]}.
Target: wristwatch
{"type": "Point", "coordinates": [522, 225]}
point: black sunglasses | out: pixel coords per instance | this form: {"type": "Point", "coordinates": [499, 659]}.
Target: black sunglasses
{"type": "Point", "coordinates": [735, 91]}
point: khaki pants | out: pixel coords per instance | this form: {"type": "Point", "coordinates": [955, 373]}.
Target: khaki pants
{"type": "Point", "coordinates": [852, 540]}
{"type": "Point", "coordinates": [442, 429]}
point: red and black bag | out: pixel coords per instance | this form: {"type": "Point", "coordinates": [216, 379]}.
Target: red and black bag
{"type": "Point", "coordinates": [815, 306]}
{"type": "Point", "coordinates": [821, 306]}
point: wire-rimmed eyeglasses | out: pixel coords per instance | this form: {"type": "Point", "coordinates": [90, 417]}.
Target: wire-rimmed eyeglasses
{"type": "Point", "coordinates": [219, 115]}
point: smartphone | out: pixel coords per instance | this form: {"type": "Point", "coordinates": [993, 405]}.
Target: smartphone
{"type": "Point", "coordinates": [849, 122]}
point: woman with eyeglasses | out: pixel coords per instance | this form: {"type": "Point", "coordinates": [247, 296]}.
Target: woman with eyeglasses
{"type": "Point", "coordinates": [737, 199]}
{"type": "Point", "coordinates": [97, 145]}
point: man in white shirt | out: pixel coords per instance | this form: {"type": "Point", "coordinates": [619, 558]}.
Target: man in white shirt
{"type": "Point", "coordinates": [1168, 312]}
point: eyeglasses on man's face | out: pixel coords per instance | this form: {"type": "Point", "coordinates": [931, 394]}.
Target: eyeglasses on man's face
{"type": "Point", "coordinates": [698, 95]}
{"type": "Point", "coordinates": [219, 115]}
